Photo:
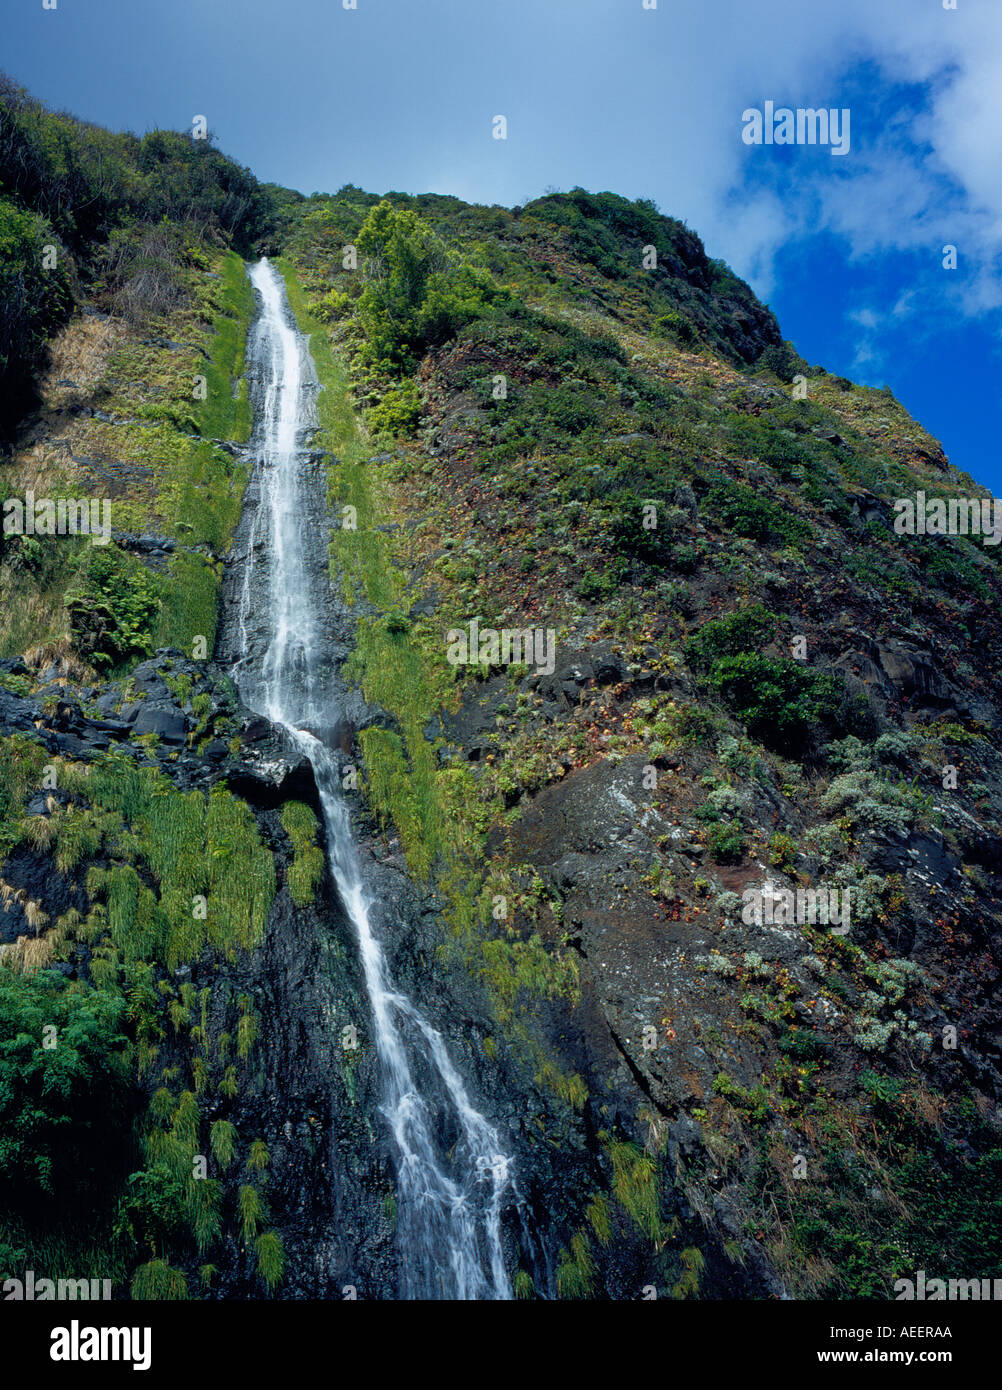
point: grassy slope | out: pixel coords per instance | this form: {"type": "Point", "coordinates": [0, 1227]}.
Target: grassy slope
{"type": "Point", "coordinates": [154, 457]}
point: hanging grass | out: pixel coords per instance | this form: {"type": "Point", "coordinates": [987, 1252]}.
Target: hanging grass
{"type": "Point", "coordinates": [576, 1268]}
{"type": "Point", "coordinates": [636, 1187]}
{"type": "Point", "coordinates": [597, 1213]}
{"type": "Point", "coordinates": [194, 847]}
{"type": "Point", "coordinates": [203, 1211]}
{"type": "Point", "coordinates": [258, 1158]}
{"type": "Point", "coordinates": [308, 865]}
{"type": "Point", "coordinates": [223, 1141]}
{"type": "Point", "coordinates": [270, 1258]}
{"type": "Point", "coordinates": [251, 1210]}
{"type": "Point", "coordinates": [156, 1282]}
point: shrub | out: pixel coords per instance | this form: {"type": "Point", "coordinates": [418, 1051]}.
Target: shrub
{"type": "Point", "coordinates": [782, 850]}
{"type": "Point", "coordinates": [59, 1104]}
{"type": "Point", "coordinates": [784, 360]}
{"type": "Point", "coordinates": [684, 558]}
{"type": "Point", "coordinates": [726, 840]}
{"type": "Point", "coordinates": [33, 301]}
{"type": "Point", "coordinates": [776, 699]}
{"type": "Point", "coordinates": [399, 412]}
{"type": "Point", "coordinates": [756, 518]}
{"type": "Point", "coordinates": [112, 608]}
{"type": "Point", "coordinates": [630, 535]}
{"type": "Point", "coordinates": [143, 265]}
{"type": "Point", "coordinates": [594, 587]}
{"type": "Point", "coordinates": [418, 293]}
{"type": "Point", "coordinates": [673, 326]}
{"type": "Point", "coordinates": [803, 1044]}
{"type": "Point", "coordinates": [748, 630]}
{"type": "Point", "coordinates": [864, 798]}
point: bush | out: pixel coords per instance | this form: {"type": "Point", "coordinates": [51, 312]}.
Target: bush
{"type": "Point", "coordinates": [863, 797]}
{"type": "Point", "coordinates": [418, 293]}
{"type": "Point", "coordinates": [143, 267]}
{"type": "Point", "coordinates": [59, 1104]}
{"type": "Point", "coordinates": [754, 517]}
{"type": "Point", "coordinates": [675, 327]}
{"type": "Point", "coordinates": [684, 558]}
{"type": "Point", "coordinates": [593, 587]}
{"type": "Point", "coordinates": [803, 1044]}
{"type": "Point", "coordinates": [776, 699]}
{"type": "Point", "coordinates": [784, 360]}
{"type": "Point", "coordinates": [631, 537]}
{"type": "Point", "coordinates": [399, 412]}
{"type": "Point", "coordinates": [747, 630]}
{"type": "Point", "coordinates": [726, 840]}
{"type": "Point", "coordinates": [33, 301]}
{"type": "Point", "coordinates": [113, 608]}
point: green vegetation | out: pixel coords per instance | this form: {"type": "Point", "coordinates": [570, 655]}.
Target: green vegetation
{"type": "Point", "coordinates": [308, 865]}
{"type": "Point", "coordinates": [940, 1198]}
{"type": "Point", "coordinates": [226, 411]}
{"type": "Point", "coordinates": [744, 512]}
{"type": "Point", "coordinates": [748, 630]}
{"type": "Point", "coordinates": [34, 299]}
{"type": "Point", "coordinates": [65, 1082]}
{"type": "Point", "coordinates": [112, 608]}
{"type": "Point", "coordinates": [527, 418]}
{"type": "Point", "coordinates": [167, 876]}
{"type": "Point", "coordinates": [110, 203]}
{"type": "Point", "coordinates": [777, 699]}
{"type": "Point", "coordinates": [417, 294]}
{"type": "Point", "coordinates": [576, 1268]}
{"type": "Point", "coordinates": [156, 1282]}
{"type": "Point", "coordinates": [636, 1186]}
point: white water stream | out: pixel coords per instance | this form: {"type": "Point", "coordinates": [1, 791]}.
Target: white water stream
{"type": "Point", "coordinates": [449, 1202]}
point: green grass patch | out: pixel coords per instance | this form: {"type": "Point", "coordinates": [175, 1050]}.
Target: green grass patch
{"type": "Point", "coordinates": [306, 871]}
{"type": "Point", "coordinates": [226, 411]}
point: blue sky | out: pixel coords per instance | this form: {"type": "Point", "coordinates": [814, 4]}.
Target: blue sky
{"type": "Point", "coordinates": [400, 94]}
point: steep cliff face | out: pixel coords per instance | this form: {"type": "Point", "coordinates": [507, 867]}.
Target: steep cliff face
{"type": "Point", "coordinates": [757, 687]}
{"type": "Point", "coordinates": [747, 684]}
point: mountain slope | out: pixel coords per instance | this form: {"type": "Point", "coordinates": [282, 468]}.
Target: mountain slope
{"type": "Point", "coordinates": [764, 690]}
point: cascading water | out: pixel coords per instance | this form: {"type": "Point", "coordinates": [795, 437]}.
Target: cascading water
{"type": "Point", "coordinates": [449, 1208]}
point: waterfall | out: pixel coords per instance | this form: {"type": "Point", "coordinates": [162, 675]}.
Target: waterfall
{"type": "Point", "coordinates": [449, 1198]}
